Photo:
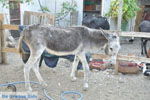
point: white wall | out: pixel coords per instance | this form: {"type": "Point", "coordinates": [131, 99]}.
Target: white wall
{"type": "Point", "coordinates": [105, 6]}
{"type": "Point", "coordinates": [80, 9]}
{"type": "Point", "coordinates": [34, 6]}
{"type": "Point", "coordinates": [5, 11]}
{"type": "Point", "coordinates": [51, 5]}
{"type": "Point", "coordinates": [105, 9]}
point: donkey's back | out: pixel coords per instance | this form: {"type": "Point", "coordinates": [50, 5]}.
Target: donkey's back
{"type": "Point", "coordinates": [53, 38]}
{"type": "Point", "coordinates": [56, 40]}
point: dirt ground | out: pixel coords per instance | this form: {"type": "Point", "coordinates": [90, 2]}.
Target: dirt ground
{"type": "Point", "coordinates": [103, 85]}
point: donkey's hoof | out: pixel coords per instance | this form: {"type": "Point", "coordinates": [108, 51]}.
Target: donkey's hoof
{"type": "Point", "coordinates": [73, 79]}
{"type": "Point", "coordinates": [29, 90]}
{"type": "Point", "coordinates": [85, 87]}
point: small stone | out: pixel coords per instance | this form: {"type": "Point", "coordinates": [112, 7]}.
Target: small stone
{"type": "Point", "coordinates": [95, 81]}
{"type": "Point", "coordinates": [106, 95]}
{"type": "Point", "coordinates": [80, 73]}
{"type": "Point", "coordinates": [53, 70]}
{"type": "Point", "coordinates": [118, 87]}
{"type": "Point", "coordinates": [48, 77]}
{"type": "Point", "coordinates": [95, 70]}
{"type": "Point", "coordinates": [110, 92]}
{"type": "Point", "coordinates": [120, 81]}
{"type": "Point", "coordinates": [100, 84]}
{"type": "Point", "coordinates": [59, 84]}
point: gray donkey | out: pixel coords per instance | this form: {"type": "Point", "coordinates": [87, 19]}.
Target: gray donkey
{"type": "Point", "coordinates": [66, 41]}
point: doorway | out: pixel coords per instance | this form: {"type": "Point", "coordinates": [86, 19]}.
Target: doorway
{"type": "Point", "coordinates": [14, 10]}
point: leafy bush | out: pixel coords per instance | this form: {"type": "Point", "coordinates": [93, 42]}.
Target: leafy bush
{"type": "Point", "coordinates": [129, 9]}
{"type": "Point", "coordinates": [67, 7]}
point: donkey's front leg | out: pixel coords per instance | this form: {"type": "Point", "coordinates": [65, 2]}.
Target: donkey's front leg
{"type": "Point", "coordinates": [85, 65]}
{"type": "Point", "coordinates": [74, 68]}
{"type": "Point", "coordinates": [37, 73]}
{"type": "Point", "coordinates": [27, 68]}
{"type": "Point", "coordinates": [37, 55]}
{"type": "Point", "coordinates": [30, 64]}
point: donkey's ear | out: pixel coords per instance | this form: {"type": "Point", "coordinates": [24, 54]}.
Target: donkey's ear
{"type": "Point", "coordinates": [108, 36]}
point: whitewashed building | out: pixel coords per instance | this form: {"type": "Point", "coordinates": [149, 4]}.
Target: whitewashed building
{"type": "Point", "coordinates": [54, 6]}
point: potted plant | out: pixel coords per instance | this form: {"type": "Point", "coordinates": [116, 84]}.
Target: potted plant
{"type": "Point", "coordinates": [130, 7]}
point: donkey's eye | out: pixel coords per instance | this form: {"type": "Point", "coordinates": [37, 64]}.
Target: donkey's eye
{"type": "Point", "coordinates": [114, 37]}
{"type": "Point", "coordinates": [111, 49]}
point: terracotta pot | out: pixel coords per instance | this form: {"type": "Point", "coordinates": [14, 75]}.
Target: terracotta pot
{"type": "Point", "coordinates": [128, 67]}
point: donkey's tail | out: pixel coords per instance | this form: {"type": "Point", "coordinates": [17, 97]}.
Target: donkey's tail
{"type": "Point", "coordinates": [20, 44]}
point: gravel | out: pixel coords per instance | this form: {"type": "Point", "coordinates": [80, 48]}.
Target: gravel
{"type": "Point", "coordinates": [103, 85]}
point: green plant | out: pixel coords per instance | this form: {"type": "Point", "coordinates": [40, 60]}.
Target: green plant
{"type": "Point", "coordinates": [67, 7]}
{"type": "Point", "coordinates": [129, 9]}
{"type": "Point", "coordinates": [44, 9]}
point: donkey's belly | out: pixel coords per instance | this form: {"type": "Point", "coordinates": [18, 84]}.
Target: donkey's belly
{"type": "Point", "coordinates": [63, 47]}
{"type": "Point", "coordinates": [64, 51]}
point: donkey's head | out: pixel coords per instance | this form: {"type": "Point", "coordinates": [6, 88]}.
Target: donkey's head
{"type": "Point", "coordinates": [112, 47]}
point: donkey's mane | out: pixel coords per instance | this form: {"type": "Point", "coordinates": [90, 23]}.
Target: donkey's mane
{"type": "Point", "coordinates": [96, 34]}
{"type": "Point", "coordinates": [85, 31]}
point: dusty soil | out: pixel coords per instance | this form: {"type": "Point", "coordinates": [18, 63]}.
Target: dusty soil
{"type": "Point", "coordinates": [103, 85]}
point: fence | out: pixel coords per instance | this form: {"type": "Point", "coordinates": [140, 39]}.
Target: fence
{"type": "Point", "coordinates": [29, 18]}
{"type": "Point", "coordinates": [100, 56]}
{"type": "Point", "coordinates": [38, 18]}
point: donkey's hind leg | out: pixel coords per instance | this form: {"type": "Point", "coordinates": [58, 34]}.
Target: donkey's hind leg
{"type": "Point", "coordinates": [85, 65]}
{"type": "Point", "coordinates": [74, 68]}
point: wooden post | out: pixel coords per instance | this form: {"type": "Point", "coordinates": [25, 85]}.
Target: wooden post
{"type": "Point", "coordinates": [2, 41]}
{"type": "Point", "coordinates": [73, 18]}
{"type": "Point", "coordinates": [119, 28]}
{"type": "Point", "coordinates": [117, 64]}
{"type": "Point", "coordinates": [119, 15]}
{"type": "Point", "coordinates": [0, 38]}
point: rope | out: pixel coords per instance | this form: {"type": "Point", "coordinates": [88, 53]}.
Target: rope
{"type": "Point", "coordinates": [71, 92]}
